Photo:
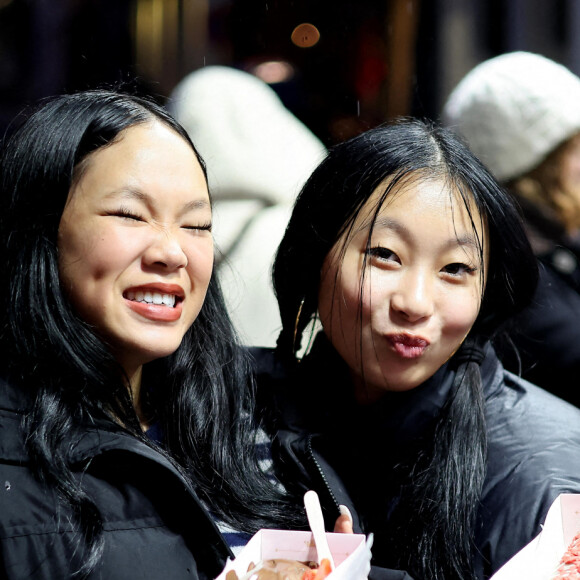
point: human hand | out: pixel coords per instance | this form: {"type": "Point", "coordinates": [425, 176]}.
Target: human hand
{"type": "Point", "coordinates": [343, 524]}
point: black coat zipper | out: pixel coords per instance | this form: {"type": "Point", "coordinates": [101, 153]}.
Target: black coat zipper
{"type": "Point", "coordinates": [321, 475]}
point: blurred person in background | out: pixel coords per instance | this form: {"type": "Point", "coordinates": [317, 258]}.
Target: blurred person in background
{"type": "Point", "coordinates": [258, 156]}
{"type": "Point", "coordinates": [520, 114]}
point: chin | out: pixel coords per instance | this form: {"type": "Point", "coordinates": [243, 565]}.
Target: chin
{"type": "Point", "coordinates": [142, 354]}
{"type": "Point", "coordinates": [158, 353]}
{"type": "Point", "coordinates": [403, 381]}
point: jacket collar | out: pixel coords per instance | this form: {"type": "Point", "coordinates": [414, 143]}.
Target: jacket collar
{"type": "Point", "coordinates": [324, 378]}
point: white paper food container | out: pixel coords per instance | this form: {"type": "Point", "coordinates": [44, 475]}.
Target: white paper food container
{"type": "Point", "coordinates": [539, 560]}
{"type": "Point", "coordinates": [351, 553]}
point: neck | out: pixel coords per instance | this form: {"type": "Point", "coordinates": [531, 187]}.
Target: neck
{"type": "Point", "coordinates": [364, 393]}
{"type": "Point", "coordinates": [135, 387]}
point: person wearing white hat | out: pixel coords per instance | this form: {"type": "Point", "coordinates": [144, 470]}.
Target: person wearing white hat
{"type": "Point", "coordinates": [520, 114]}
{"type": "Point", "coordinates": [258, 156]}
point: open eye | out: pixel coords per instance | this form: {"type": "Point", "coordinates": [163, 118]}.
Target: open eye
{"type": "Point", "coordinates": [381, 254]}
{"type": "Point", "coordinates": [458, 269]}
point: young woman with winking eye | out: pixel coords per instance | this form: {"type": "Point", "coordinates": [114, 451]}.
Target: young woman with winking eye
{"type": "Point", "coordinates": [411, 260]}
{"type": "Point", "coordinates": [126, 449]}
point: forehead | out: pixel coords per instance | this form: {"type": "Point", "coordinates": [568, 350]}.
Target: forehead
{"type": "Point", "coordinates": [149, 157]}
{"type": "Point", "coordinates": [142, 143]}
{"type": "Point", "coordinates": [421, 197]}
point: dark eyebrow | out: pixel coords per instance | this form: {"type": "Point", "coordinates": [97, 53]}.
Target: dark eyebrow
{"type": "Point", "coordinates": [131, 193]}
{"type": "Point", "coordinates": [397, 227]}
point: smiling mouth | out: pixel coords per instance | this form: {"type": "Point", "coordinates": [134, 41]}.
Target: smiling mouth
{"type": "Point", "coordinates": [156, 298]}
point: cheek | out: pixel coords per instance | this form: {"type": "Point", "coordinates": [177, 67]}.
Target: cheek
{"type": "Point", "coordinates": [338, 300]}
{"type": "Point", "coordinates": [94, 257]}
{"type": "Point", "coordinates": [376, 295]}
{"type": "Point", "coordinates": [90, 263]}
{"type": "Point", "coordinates": [376, 302]}
{"type": "Point", "coordinates": [460, 314]}
{"type": "Point", "coordinates": [199, 270]}
{"type": "Point", "coordinates": [200, 259]}
{"type": "Point", "coordinates": [75, 255]}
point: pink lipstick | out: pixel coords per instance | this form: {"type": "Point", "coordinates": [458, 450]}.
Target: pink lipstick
{"type": "Point", "coordinates": [408, 346]}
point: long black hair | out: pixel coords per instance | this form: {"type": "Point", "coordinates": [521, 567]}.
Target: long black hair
{"type": "Point", "coordinates": [434, 521]}
{"type": "Point", "coordinates": [204, 399]}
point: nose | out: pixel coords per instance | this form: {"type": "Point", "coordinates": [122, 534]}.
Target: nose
{"type": "Point", "coordinates": [413, 297]}
{"type": "Point", "coordinates": [165, 251]}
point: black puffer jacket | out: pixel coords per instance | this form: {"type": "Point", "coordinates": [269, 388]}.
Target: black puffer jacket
{"type": "Point", "coordinates": [154, 526]}
{"type": "Point", "coordinates": [348, 453]}
{"type": "Point", "coordinates": [546, 334]}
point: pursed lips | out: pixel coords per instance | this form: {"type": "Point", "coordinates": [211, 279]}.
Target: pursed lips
{"type": "Point", "coordinates": [408, 346]}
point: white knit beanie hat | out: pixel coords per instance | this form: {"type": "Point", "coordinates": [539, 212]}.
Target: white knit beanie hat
{"type": "Point", "coordinates": [514, 110]}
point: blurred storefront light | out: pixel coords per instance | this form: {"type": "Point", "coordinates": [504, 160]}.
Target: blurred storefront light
{"type": "Point", "coordinates": [305, 35]}
{"type": "Point", "coordinates": [273, 71]}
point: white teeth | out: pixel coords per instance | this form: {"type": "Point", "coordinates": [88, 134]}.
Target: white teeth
{"type": "Point", "coordinates": [169, 300]}
{"type": "Point", "coordinates": [152, 298]}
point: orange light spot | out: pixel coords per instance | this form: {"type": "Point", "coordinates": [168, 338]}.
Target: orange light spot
{"type": "Point", "coordinates": [305, 35]}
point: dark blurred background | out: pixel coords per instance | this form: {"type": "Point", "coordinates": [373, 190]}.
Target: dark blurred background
{"type": "Point", "coordinates": [340, 65]}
